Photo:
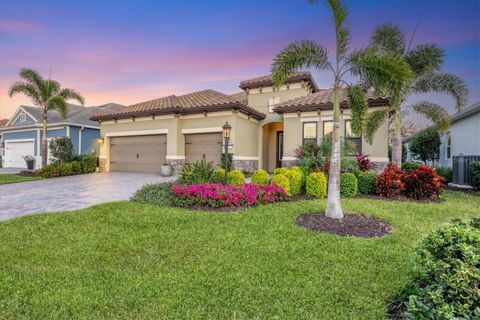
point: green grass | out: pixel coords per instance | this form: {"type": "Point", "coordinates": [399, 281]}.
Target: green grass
{"type": "Point", "coordinates": [134, 261]}
{"type": "Point", "coordinates": [13, 178]}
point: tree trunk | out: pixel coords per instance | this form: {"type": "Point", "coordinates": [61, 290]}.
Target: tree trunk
{"type": "Point", "coordinates": [334, 207]}
{"type": "Point", "coordinates": [44, 141]}
{"type": "Point", "coordinates": [397, 139]}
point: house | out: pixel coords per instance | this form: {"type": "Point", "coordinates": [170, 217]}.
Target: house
{"type": "Point", "coordinates": [268, 123]}
{"type": "Point", "coordinates": [22, 134]}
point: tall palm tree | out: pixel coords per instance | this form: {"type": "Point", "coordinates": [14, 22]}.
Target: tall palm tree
{"type": "Point", "coordinates": [426, 61]}
{"type": "Point", "coordinates": [46, 94]}
{"type": "Point", "coordinates": [385, 71]}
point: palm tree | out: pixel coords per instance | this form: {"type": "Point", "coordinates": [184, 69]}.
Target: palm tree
{"type": "Point", "coordinates": [385, 71]}
{"type": "Point", "coordinates": [48, 95]}
{"type": "Point", "coordinates": [425, 61]}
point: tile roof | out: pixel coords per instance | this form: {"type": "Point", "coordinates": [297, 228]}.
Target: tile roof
{"type": "Point", "coordinates": [266, 81]}
{"type": "Point", "coordinates": [323, 99]}
{"type": "Point", "coordinates": [3, 122]}
{"type": "Point", "coordinates": [240, 96]}
{"type": "Point", "coordinates": [200, 101]}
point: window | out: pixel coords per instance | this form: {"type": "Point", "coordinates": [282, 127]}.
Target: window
{"type": "Point", "coordinates": [272, 101]}
{"type": "Point", "coordinates": [353, 143]}
{"type": "Point", "coordinates": [22, 117]}
{"type": "Point", "coordinates": [327, 127]}
{"type": "Point", "coordinates": [448, 146]}
{"type": "Point", "coordinates": [309, 132]}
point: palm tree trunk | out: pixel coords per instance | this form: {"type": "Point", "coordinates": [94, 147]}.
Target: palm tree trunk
{"type": "Point", "coordinates": [334, 207]}
{"type": "Point", "coordinates": [44, 141]}
{"type": "Point", "coordinates": [397, 138]}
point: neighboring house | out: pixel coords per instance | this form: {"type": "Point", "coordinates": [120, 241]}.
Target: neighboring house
{"type": "Point", "coordinates": [268, 123]}
{"type": "Point", "coordinates": [463, 137]}
{"type": "Point", "coordinates": [22, 134]}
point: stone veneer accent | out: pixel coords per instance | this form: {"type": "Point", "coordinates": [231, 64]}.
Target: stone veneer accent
{"type": "Point", "coordinates": [379, 166]}
{"type": "Point", "coordinates": [102, 165]}
{"type": "Point", "coordinates": [289, 163]}
{"type": "Point", "coordinates": [177, 165]}
{"type": "Point", "coordinates": [245, 165]}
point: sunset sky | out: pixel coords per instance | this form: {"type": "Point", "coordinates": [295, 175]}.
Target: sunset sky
{"type": "Point", "coordinates": [131, 51]}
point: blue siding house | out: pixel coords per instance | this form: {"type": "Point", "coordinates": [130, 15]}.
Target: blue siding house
{"type": "Point", "coordinates": [22, 135]}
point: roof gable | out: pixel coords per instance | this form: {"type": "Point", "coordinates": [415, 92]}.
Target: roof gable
{"type": "Point", "coordinates": [21, 117]}
{"type": "Point", "coordinates": [266, 81]}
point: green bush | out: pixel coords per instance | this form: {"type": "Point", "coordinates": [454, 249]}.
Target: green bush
{"type": "Point", "coordinates": [304, 176]}
{"type": "Point", "coordinates": [282, 181]}
{"type": "Point", "coordinates": [65, 168]}
{"type": "Point", "coordinates": [260, 177]}
{"type": "Point", "coordinates": [280, 171]}
{"type": "Point", "coordinates": [295, 179]}
{"type": "Point", "coordinates": [158, 193]}
{"type": "Point", "coordinates": [410, 166]}
{"type": "Point", "coordinates": [316, 185]}
{"type": "Point", "coordinates": [476, 174]}
{"type": "Point", "coordinates": [61, 150]}
{"type": "Point", "coordinates": [446, 173]}
{"type": "Point", "coordinates": [448, 283]}
{"type": "Point", "coordinates": [89, 163]}
{"type": "Point", "coordinates": [76, 167]}
{"type": "Point", "coordinates": [366, 182]}
{"type": "Point", "coordinates": [348, 185]}
{"type": "Point", "coordinates": [230, 161]}
{"type": "Point", "coordinates": [198, 173]}
{"type": "Point", "coordinates": [49, 171]}
{"type": "Point", "coordinates": [236, 177]}
{"type": "Point", "coordinates": [219, 176]}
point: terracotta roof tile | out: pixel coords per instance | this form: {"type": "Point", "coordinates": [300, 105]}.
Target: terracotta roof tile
{"type": "Point", "coordinates": [266, 81]}
{"type": "Point", "coordinates": [240, 96]}
{"type": "Point", "coordinates": [3, 122]}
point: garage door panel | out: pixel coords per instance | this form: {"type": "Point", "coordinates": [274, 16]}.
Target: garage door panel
{"type": "Point", "coordinates": [206, 146]}
{"type": "Point", "coordinates": [138, 153]}
{"type": "Point", "coordinates": [15, 151]}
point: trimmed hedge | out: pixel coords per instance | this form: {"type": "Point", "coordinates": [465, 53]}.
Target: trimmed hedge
{"type": "Point", "coordinates": [295, 179]}
{"type": "Point", "coordinates": [446, 173]}
{"type": "Point", "coordinates": [280, 171]}
{"type": "Point", "coordinates": [348, 184]}
{"type": "Point", "coordinates": [219, 176]}
{"type": "Point", "coordinates": [282, 181]}
{"type": "Point", "coordinates": [316, 185]}
{"type": "Point", "coordinates": [366, 182]}
{"type": "Point", "coordinates": [236, 177]}
{"type": "Point", "coordinates": [302, 173]}
{"type": "Point", "coordinates": [260, 177]}
{"type": "Point", "coordinates": [158, 193]}
{"type": "Point", "coordinates": [84, 164]}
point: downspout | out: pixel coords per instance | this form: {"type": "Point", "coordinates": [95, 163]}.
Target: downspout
{"type": "Point", "coordinates": [80, 141]}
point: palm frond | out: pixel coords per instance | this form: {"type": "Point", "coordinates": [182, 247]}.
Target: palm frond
{"type": "Point", "coordinates": [58, 103]}
{"type": "Point", "coordinates": [297, 55]}
{"type": "Point", "coordinates": [434, 112]}
{"type": "Point", "coordinates": [33, 77]}
{"type": "Point", "coordinates": [425, 58]}
{"type": "Point", "coordinates": [71, 94]}
{"type": "Point", "coordinates": [374, 121]}
{"type": "Point", "coordinates": [443, 83]}
{"type": "Point", "coordinates": [28, 89]}
{"type": "Point", "coordinates": [342, 32]}
{"type": "Point", "coordinates": [357, 102]}
{"type": "Point", "coordinates": [388, 38]}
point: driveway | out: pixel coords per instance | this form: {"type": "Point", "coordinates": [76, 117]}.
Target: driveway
{"type": "Point", "coordinates": [70, 193]}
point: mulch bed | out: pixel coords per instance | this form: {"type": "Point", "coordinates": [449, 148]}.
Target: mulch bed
{"type": "Point", "coordinates": [352, 224]}
{"type": "Point", "coordinates": [397, 198]}
{"type": "Point", "coordinates": [27, 173]}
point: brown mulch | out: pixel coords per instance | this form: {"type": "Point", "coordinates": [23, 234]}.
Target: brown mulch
{"type": "Point", "coordinates": [398, 198]}
{"type": "Point", "coordinates": [352, 224]}
{"type": "Point", "coordinates": [27, 173]}
{"type": "Point", "coordinates": [474, 192]}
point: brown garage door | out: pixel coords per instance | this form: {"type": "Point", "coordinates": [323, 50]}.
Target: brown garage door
{"type": "Point", "coordinates": [207, 146]}
{"type": "Point", "coordinates": [138, 153]}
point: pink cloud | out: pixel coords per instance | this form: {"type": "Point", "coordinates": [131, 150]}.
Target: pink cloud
{"type": "Point", "coordinates": [19, 26]}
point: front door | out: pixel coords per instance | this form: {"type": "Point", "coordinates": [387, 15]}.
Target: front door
{"type": "Point", "coordinates": [279, 148]}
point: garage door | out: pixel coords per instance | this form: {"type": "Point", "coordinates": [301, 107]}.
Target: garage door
{"type": "Point", "coordinates": [207, 146]}
{"type": "Point", "coordinates": [15, 151]}
{"type": "Point", "coordinates": [138, 153]}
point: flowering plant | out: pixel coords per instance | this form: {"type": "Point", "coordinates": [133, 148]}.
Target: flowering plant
{"type": "Point", "coordinates": [363, 162]}
{"type": "Point", "coordinates": [218, 195]}
{"type": "Point", "coordinates": [423, 183]}
{"type": "Point", "coordinates": [390, 182]}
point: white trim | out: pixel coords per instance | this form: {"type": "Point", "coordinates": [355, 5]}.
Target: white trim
{"type": "Point", "coordinates": [124, 120]}
{"type": "Point", "coordinates": [20, 140]}
{"type": "Point", "coordinates": [327, 118]}
{"type": "Point", "coordinates": [49, 126]}
{"type": "Point", "coordinates": [244, 116]}
{"type": "Point", "coordinates": [16, 114]}
{"type": "Point", "coordinates": [244, 158]}
{"type": "Point", "coordinates": [290, 115]}
{"type": "Point", "coordinates": [38, 142]}
{"type": "Point", "coordinates": [380, 159]}
{"type": "Point", "coordinates": [317, 119]}
{"type": "Point", "coordinates": [175, 157]}
{"type": "Point", "coordinates": [67, 129]}
{"type": "Point", "coordinates": [289, 158]}
{"type": "Point", "coordinates": [80, 140]}
{"type": "Point", "coordinates": [202, 130]}
{"type": "Point", "coordinates": [32, 129]}
{"type": "Point", "coordinates": [136, 133]}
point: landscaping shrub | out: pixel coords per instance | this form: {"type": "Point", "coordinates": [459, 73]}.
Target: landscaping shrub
{"type": "Point", "coordinates": [476, 174]}
{"type": "Point", "coordinates": [61, 150]}
{"type": "Point", "coordinates": [89, 163]}
{"type": "Point", "coordinates": [390, 182]}
{"type": "Point", "coordinates": [366, 182]}
{"type": "Point", "coordinates": [158, 193]}
{"type": "Point", "coordinates": [218, 195]}
{"type": "Point", "coordinates": [410, 166]}
{"type": "Point", "coordinates": [219, 176]}
{"type": "Point", "coordinates": [230, 161]}
{"type": "Point", "coordinates": [65, 168]}
{"type": "Point", "coordinates": [316, 185]}
{"type": "Point", "coordinates": [278, 171]}
{"type": "Point", "coordinates": [295, 179]}
{"type": "Point", "coordinates": [447, 286]}
{"type": "Point", "coordinates": [76, 167]}
{"type": "Point", "coordinates": [423, 183]}
{"type": "Point", "coordinates": [282, 181]}
{"type": "Point", "coordinates": [446, 173]}
{"type": "Point", "coordinates": [260, 177]}
{"type": "Point", "coordinates": [236, 177]}
{"type": "Point", "coordinates": [348, 184]}
{"type": "Point", "coordinates": [198, 173]}
{"type": "Point", "coordinates": [302, 173]}
{"type": "Point", "coordinates": [363, 162]}
{"type": "Point", "coordinates": [49, 171]}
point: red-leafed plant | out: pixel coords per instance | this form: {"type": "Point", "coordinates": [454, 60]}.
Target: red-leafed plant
{"type": "Point", "coordinates": [390, 182]}
{"type": "Point", "coordinates": [363, 162]}
{"type": "Point", "coordinates": [424, 183]}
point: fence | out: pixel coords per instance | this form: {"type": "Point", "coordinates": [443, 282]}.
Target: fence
{"type": "Point", "coordinates": [462, 169]}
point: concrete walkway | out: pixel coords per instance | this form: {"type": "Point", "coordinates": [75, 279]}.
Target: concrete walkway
{"type": "Point", "coordinates": [70, 193]}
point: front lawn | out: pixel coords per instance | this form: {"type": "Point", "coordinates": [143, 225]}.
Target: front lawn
{"type": "Point", "coordinates": [128, 260]}
{"type": "Point", "coordinates": [13, 178]}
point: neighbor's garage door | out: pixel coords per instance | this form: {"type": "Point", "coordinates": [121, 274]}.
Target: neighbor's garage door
{"type": "Point", "coordinates": [207, 146]}
{"type": "Point", "coordinates": [15, 151]}
{"type": "Point", "coordinates": [138, 153]}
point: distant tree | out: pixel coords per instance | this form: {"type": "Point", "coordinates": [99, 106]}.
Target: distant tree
{"type": "Point", "coordinates": [425, 145]}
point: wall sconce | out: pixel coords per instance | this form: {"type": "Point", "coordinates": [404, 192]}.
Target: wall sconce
{"type": "Point", "coordinates": [101, 139]}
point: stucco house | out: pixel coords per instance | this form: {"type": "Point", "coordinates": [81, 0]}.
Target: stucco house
{"type": "Point", "coordinates": [268, 123]}
{"type": "Point", "coordinates": [22, 134]}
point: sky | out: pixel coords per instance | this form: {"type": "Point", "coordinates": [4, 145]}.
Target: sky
{"type": "Point", "coordinates": [131, 51]}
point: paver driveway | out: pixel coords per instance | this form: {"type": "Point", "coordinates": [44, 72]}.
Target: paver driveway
{"type": "Point", "coordinates": [70, 193]}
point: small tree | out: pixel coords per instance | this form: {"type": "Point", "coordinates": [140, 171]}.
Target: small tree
{"type": "Point", "coordinates": [61, 150]}
{"type": "Point", "coordinates": [425, 145]}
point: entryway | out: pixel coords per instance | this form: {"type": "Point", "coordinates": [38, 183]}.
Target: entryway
{"type": "Point", "coordinates": [272, 146]}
